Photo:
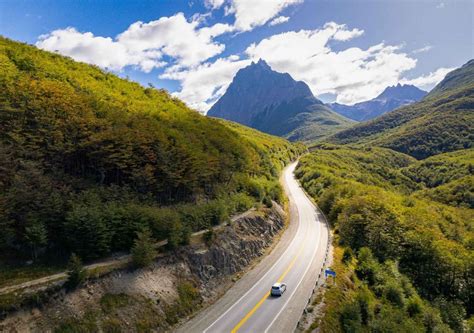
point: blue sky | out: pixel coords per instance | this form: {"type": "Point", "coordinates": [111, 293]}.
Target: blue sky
{"type": "Point", "coordinates": [347, 51]}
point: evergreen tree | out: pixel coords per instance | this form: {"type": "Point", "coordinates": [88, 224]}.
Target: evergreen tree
{"type": "Point", "coordinates": [143, 251]}
{"type": "Point", "coordinates": [36, 236]}
{"type": "Point", "coordinates": [75, 272]}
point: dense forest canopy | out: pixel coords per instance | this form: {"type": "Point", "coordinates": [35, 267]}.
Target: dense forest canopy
{"type": "Point", "coordinates": [407, 227]}
{"type": "Point", "coordinates": [87, 159]}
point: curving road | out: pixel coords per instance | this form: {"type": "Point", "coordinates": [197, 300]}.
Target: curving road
{"type": "Point", "coordinates": [296, 260]}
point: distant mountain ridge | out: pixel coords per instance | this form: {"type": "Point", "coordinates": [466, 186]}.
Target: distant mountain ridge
{"type": "Point", "coordinates": [390, 99]}
{"type": "Point", "coordinates": [275, 103]}
{"type": "Point", "coordinates": [443, 121]}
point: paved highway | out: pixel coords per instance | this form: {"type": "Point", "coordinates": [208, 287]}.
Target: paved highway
{"type": "Point", "coordinates": [296, 260]}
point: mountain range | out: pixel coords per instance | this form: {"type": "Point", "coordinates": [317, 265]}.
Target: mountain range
{"type": "Point", "coordinates": [390, 99]}
{"type": "Point", "coordinates": [277, 104]}
{"type": "Point", "coordinates": [441, 122]}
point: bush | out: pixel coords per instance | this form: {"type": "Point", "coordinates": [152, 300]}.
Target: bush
{"type": "Point", "coordinates": [276, 192]}
{"type": "Point", "coordinates": [267, 201]}
{"type": "Point", "coordinates": [363, 300]}
{"type": "Point", "coordinates": [367, 267]}
{"type": "Point", "coordinates": [178, 235]}
{"type": "Point", "coordinates": [76, 275]}
{"type": "Point", "coordinates": [241, 202]}
{"type": "Point", "coordinates": [394, 294]}
{"type": "Point", "coordinates": [209, 236]}
{"type": "Point", "coordinates": [255, 189]}
{"type": "Point", "coordinates": [112, 325]}
{"type": "Point", "coordinates": [350, 318]}
{"type": "Point", "coordinates": [414, 306]}
{"type": "Point", "coordinates": [452, 313]}
{"type": "Point", "coordinates": [110, 302]}
{"type": "Point", "coordinates": [188, 295]}
{"type": "Point", "coordinates": [347, 255]}
{"type": "Point", "coordinates": [143, 251]}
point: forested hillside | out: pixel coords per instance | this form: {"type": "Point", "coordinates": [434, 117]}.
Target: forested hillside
{"type": "Point", "coordinates": [88, 159]}
{"type": "Point", "coordinates": [441, 122]}
{"type": "Point", "coordinates": [404, 238]}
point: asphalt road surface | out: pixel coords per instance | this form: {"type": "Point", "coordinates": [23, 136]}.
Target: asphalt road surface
{"type": "Point", "coordinates": [296, 261]}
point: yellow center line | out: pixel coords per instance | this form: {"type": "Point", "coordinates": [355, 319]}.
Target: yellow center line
{"type": "Point", "coordinates": [260, 302]}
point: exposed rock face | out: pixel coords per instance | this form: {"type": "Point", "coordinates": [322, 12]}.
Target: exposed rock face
{"type": "Point", "coordinates": [254, 89]}
{"type": "Point", "coordinates": [275, 103]}
{"type": "Point", "coordinates": [390, 99]}
{"type": "Point", "coordinates": [235, 248]}
{"type": "Point", "coordinates": [151, 293]}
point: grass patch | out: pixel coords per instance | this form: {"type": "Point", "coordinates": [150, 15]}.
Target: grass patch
{"type": "Point", "coordinates": [189, 300]}
{"type": "Point", "coordinates": [110, 302]}
{"type": "Point", "coordinates": [15, 275]}
{"type": "Point", "coordinates": [12, 302]}
{"type": "Point", "coordinates": [86, 324]}
{"type": "Point", "coordinates": [112, 325]}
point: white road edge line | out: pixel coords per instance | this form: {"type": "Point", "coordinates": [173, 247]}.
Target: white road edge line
{"type": "Point", "coordinates": [302, 278]}
{"type": "Point", "coordinates": [255, 285]}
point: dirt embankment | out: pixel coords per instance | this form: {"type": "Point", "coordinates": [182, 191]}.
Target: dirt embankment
{"type": "Point", "coordinates": [156, 298]}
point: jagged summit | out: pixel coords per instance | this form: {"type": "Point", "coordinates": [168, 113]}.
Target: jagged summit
{"type": "Point", "coordinates": [275, 103]}
{"type": "Point", "coordinates": [390, 99]}
{"type": "Point", "coordinates": [402, 92]}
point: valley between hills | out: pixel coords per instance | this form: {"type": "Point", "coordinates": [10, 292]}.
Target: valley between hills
{"type": "Point", "coordinates": [157, 218]}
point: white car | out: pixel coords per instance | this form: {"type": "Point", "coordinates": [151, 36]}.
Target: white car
{"type": "Point", "coordinates": [278, 289]}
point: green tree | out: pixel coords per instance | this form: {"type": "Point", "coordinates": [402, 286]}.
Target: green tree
{"type": "Point", "coordinates": [76, 274]}
{"type": "Point", "coordinates": [36, 236]}
{"type": "Point", "coordinates": [143, 250]}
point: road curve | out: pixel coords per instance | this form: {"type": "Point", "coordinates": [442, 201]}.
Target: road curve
{"type": "Point", "coordinates": [296, 260]}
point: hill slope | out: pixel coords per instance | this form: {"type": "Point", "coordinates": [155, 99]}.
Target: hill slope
{"type": "Point", "coordinates": [390, 99]}
{"type": "Point", "coordinates": [443, 121]}
{"type": "Point", "coordinates": [275, 103]}
{"type": "Point", "coordinates": [87, 159]}
{"type": "Point", "coordinates": [409, 224]}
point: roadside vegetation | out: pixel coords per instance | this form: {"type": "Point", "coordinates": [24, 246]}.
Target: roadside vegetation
{"type": "Point", "coordinates": [123, 313]}
{"type": "Point", "coordinates": [88, 160]}
{"type": "Point", "coordinates": [404, 258]}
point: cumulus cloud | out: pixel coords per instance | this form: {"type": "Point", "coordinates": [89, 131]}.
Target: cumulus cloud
{"type": "Point", "coordinates": [251, 14]}
{"type": "Point", "coordinates": [202, 85]}
{"type": "Point", "coordinates": [142, 44]}
{"type": "Point", "coordinates": [101, 51]}
{"type": "Point", "coordinates": [428, 81]}
{"type": "Point", "coordinates": [353, 74]}
{"type": "Point", "coordinates": [175, 37]}
{"type": "Point", "coordinates": [279, 20]}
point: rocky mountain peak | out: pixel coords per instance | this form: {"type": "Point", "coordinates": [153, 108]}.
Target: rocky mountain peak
{"type": "Point", "coordinates": [402, 92]}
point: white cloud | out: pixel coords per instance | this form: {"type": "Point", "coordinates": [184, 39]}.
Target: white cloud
{"type": "Point", "coordinates": [428, 81]}
{"type": "Point", "coordinates": [213, 4]}
{"type": "Point", "coordinates": [250, 14]}
{"type": "Point", "coordinates": [202, 85]}
{"type": "Point", "coordinates": [422, 49]}
{"type": "Point", "coordinates": [352, 74]}
{"type": "Point", "coordinates": [142, 44]}
{"type": "Point", "coordinates": [279, 20]}
{"type": "Point", "coordinates": [101, 51]}
{"type": "Point", "coordinates": [175, 37]}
